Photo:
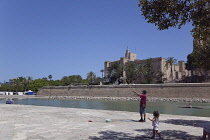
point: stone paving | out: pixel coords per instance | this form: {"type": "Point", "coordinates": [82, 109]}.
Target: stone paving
{"type": "Point", "coordinates": [24, 122]}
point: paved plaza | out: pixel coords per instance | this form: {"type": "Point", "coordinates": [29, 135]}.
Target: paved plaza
{"type": "Point", "coordinates": [24, 122]}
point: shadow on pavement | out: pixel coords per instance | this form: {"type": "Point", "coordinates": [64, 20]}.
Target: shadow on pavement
{"type": "Point", "coordinates": [113, 135]}
{"type": "Point", "coordinates": [194, 123]}
{"type": "Point", "coordinates": [171, 134]}
{"type": "Point", "coordinates": [166, 134]}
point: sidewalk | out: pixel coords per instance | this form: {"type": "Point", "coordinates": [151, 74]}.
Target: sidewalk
{"type": "Point", "coordinates": [23, 122]}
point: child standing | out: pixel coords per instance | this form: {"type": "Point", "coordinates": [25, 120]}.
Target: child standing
{"type": "Point", "coordinates": [142, 105]}
{"type": "Point", "coordinates": [155, 124]}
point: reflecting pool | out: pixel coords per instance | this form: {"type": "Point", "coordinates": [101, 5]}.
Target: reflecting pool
{"type": "Point", "coordinates": [132, 106]}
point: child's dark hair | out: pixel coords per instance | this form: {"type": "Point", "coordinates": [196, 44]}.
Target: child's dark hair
{"type": "Point", "coordinates": [156, 114]}
{"type": "Point", "coordinates": [144, 92]}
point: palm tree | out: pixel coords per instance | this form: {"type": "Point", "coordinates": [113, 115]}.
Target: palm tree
{"type": "Point", "coordinates": [140, 70]}
{"type": "Point", "coordinates": [91, 77]}
{"type": "Point", "coordinates": [149, 70]}
{"type": "Point", "coordinates": [50, 76]}
{"type": "Point", "coordinates": [102, 71]}
{"type": "Point", "coordinates": [130, 73]}
{"type": "Point", "coordinates": [115, 71]}
{"type": "Point", "coordinates": [160, 75]}
{"type": "Point", "coordinates": [171, 61]}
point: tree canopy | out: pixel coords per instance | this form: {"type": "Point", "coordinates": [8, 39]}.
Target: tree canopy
{"type": "Point", "coordinates": [191, 63]}
{"type": "Point", "coordinates": [115, 71]}
{"type": "Point", "coordinates": [202, 57]}
{"type": "Point", "coordinates": [91, 76]}
{"type": "Point", "coordinates": [130, 72]}
{"type": "Point", "coordinates": [50, 77]}
{"type": "Point", "coordinates": [22, 84]}
{"type": "Point", "coordinates": [134, 71]}
{"type": "Point", "coordinates": [67, 80]}
{"type": "Point", "coordinates": [176, 13]}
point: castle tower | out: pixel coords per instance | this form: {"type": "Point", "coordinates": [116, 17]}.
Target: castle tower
{"type": "Point", "coordinates": [106, 66]}
{"type": "Point", "coordinates": [129, 55]}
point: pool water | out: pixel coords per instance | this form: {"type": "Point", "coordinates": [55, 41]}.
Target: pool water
{"type": "Point", "coordinates": [132, 106]}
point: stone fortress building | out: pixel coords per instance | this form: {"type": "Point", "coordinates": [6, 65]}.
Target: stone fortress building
{"type": "Point", "coordinates": [159, 65]}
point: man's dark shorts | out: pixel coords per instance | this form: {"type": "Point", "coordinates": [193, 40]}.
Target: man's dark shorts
{"type": "Point", "coordinates": [142, 109]}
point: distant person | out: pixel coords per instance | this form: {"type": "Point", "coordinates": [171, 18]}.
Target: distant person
{"type": "Point", "coordinates": [142, 109]}
{"type": "Point", "coordinates": [9, 101]}
{"type": "Point", "coordinates": [155, 124]}
{"type": "Point", "coordinates": [206, 131]}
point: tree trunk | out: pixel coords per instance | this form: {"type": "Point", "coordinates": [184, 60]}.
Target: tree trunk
{"type": "Point", "coordinates": [171, 74]}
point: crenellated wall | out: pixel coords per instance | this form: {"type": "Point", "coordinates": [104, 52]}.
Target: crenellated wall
{"type": "Point", "coordinates": [153, 90]}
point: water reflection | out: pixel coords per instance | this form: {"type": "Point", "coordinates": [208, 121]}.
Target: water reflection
{"type": "Point", "coordinates": [132, 106]}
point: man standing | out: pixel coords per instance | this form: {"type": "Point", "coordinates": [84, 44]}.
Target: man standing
{"type": "Point", "coordinates": [142, 110]}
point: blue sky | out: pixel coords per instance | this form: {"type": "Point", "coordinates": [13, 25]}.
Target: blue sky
{"type": "Point", "coordinates": [74, 37]}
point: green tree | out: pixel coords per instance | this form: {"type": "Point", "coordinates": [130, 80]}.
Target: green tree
{"type": "Point", "coordinates": [176, 13]}
{"type": "Point", "coordinates": [130, 72]}
{"type": "Point", "coordinates": [18, 88]}
{"type": "Point", "coordinates": [50, 77]}
{"type": "Point", "coordinates": [171, 61]}
{"type": "Point", "coordinates": [78, 79]}
{"type": "Point", "coordinates": [91, 77]}
{"type": "Point", "coordinates": [29, 81]}
{"type": "Point", "coordinates": [191, 63]}
{"type": "Point", "coordinates": [160, 76]}
{"type": "Point", "coordinates": [44, 78]}
{"type": "Point", "coordinates": [5, 87]}
{"type": "Point", "coordinates": [65, 81]}
{"type": "Point", "coordinates": [115, 71]}
{"type": "Point", "coordinates": [140, 70]}
{"type": "Point", "coordinates": [75, 79]}
{"type": "Point", "coordinates": [102, 71]}
{"type": "Point", "coordinates": [22, 84]}
{"type": "Point", "coordinates": [202, 58]}
{"type": "Point", "coordinates": [134, 71]}
{"type": "Point", "coordinates": [55, 83]}
{"type": "Point", "coordinates": [21, 79]}
{"type": "Point", "coordinates": [149, 71]}
{"type": "Point", "coordinates": [16, 84]}
{"type": "Point", "coordinates": [37, 84]}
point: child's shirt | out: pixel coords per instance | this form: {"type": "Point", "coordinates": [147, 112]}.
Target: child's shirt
{"type": "Point", "coordinates": [155, 123]}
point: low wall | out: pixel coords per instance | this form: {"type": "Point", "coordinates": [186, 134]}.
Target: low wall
{"type": "Point", "coordinates": [192, 90]}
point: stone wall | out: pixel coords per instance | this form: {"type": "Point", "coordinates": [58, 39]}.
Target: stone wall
{"type": "Point", "coordinates": [153, 90]}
